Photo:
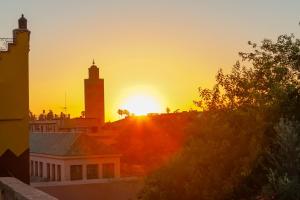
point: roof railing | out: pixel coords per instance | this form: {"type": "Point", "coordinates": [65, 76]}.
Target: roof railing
{"type": "Point", "coordinates": [12, 188]}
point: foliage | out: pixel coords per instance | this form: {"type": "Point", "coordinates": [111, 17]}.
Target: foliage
{"type": "Point", "coordinates": [48, 116]}
{"type": "Point", "coordinates": [148, 141]}
{"type": "Point", "coordinates": [284, 156]}
{"type": "Point", "coordinates": [168, 110]}
{"type": "Point", "coordinates": [270, 83]}
{"type": "Point", "coordinates": [239, 149]}
{"type": "Point", "coordinates": [212, 162]}
{"type": "Point", "coordinates": [123, 112]}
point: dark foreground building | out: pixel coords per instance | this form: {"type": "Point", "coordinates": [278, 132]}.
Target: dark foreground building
{"type": "Point", "coordinates": [14, 103]}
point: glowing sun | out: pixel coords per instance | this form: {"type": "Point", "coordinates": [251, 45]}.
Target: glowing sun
{"type": "Point", "coordinates": [141, 104]}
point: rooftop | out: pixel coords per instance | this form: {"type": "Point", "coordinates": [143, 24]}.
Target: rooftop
{"type": "Point", "coordinates": [68, 144]}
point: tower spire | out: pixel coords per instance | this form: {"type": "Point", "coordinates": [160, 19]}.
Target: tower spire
{"type": "Point", "coordinates": [94, 71]}
{"type": "Point", "coordinates": [22, 22]}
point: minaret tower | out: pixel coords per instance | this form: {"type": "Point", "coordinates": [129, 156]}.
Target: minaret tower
{"type": "Point", "coordinates": [94, 95]}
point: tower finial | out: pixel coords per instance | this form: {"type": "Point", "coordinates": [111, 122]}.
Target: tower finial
{"type": "Point", "coordinates": [22, 22]}
{"type": "Point", "coordinates": [93, 62]}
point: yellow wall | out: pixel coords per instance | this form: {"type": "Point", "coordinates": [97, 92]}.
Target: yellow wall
{"type": "Point", "coordinates": [14, 94]}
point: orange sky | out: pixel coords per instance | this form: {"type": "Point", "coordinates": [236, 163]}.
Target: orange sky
{"type": "Point", "coordinates": [162, 48]}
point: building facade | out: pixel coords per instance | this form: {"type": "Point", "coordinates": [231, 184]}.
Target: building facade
{"type": "Point", "coordinates": [62, 157]}
{"type": "Point", "coordinates": [14, 107]}
{"type": "Point", "coordinates": [47, 168]}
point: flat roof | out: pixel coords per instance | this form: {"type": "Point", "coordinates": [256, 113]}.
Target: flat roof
{"type": "Point", "coordinates": [69, 144]}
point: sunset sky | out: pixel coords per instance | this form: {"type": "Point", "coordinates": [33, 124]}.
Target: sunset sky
{"type": "Point", "coordinates": [160, 49]}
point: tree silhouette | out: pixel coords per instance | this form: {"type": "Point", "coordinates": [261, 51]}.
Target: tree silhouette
{"type": "Point", "coordinates": [120, 112]}
{"type": "Point", "coordinates": [235, 150]}
{"type": "Point", "coordinates": [50, 115]}
{"type": "Point", "coordinates": [126, 113]}
{"type": "Point", "coordinates": [168, 110]}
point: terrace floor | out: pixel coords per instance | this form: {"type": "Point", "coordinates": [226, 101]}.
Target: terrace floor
{"type": "Point", "coordinates": [114, 190]}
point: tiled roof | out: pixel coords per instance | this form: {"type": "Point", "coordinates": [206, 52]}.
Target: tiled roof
{"type": "Point", "coordinates": [68, 144]}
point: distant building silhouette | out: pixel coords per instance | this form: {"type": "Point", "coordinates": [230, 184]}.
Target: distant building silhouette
{"type": "Point", "coordinates": [64, 124]}
{"type": "Point", "coordinates": [92, 119]}
{"type": "Point", "coordinates": [71, 156]}
{"type": "Point", "coordinates": [66, 149]}
{"type": "Point", "coordinates": [94, 95]}
{"type": "Point", "coordinates": [14, 107]}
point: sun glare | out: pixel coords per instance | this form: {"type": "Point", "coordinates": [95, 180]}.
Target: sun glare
{"type": "Point", "coordinates": [141, 104]}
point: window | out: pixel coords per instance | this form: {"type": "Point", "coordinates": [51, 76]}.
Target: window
{"type": "Point", "coordinates": [92, 171]}
{"type": "Point", "coordinates": [48, 171]}
{"type": "Point", "coordinates": [36, 168]}
{"type": "Point", "coordinates": [31, 168]}
{"type": "Point", "coordinates": [41, 170]}
{"type": "Point", "coordinates": [53, 172]}
{"type": "Point", "coordinates": [76, 172]}
{"type": "Point", "coordinates": [109, 170]}
{"type": "Point", "coordinates": [58, 172]}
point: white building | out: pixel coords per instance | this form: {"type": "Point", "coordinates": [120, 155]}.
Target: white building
{"type": "Point", "coordinates": [60, 157]}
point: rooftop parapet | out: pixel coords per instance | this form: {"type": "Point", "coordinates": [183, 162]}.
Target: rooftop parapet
{"type": "Point", "coordinates": [12, 189]}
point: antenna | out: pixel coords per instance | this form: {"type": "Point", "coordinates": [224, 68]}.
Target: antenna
{"type": "Point", "coordinates": [65, 107]}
